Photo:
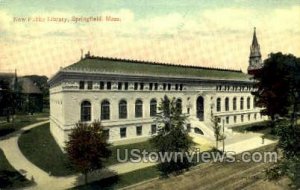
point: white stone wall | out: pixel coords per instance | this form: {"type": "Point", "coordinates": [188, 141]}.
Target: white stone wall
{"type": "Point", "coordinates": [66, 99]}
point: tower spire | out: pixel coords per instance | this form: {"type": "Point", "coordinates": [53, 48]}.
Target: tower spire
{"type": "Point", "coordinates": [255, 61]}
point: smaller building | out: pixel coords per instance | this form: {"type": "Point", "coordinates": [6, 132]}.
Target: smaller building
{"type": "Point", "coordinates": [32, 96]}
{"type": "Point", "coordinates": [19, 94]}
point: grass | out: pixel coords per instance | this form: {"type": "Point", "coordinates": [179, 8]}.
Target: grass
{"type": "Point", "coordinates": [40, 148]}
{"type": "Point", "coordinates": [44, 152]}
{"type": "Point", "coordinates": [252, 127]}
{"type": "Point", "coordinates": [128, 147]}
{"type": "Point", "coordinates": [9, 177]}
{"type": "Point", "coordinates": [122, 180]}
{"type": "Point", "coordinates": [261, 127]}
{"type": "Point", "coordinates": [19, 121]}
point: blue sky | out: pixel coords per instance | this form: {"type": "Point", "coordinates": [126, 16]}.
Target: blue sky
{"type": "Point", "coordinates": [208, 33]}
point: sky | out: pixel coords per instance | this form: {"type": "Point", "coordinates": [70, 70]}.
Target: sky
{"type": "Point", "coordinates": [40, 36]}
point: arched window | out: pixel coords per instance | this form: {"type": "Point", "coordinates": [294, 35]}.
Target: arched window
{"type": "Point", "coordinates": [153, 107]}
{"type": "Point", "coordinates": [248, 103]}
{"type": "Point", "coordinates": [179, 104]}
{"type": "Point", "coordinates": [218, 104]}
{"type": "Point", "coordinates": [123, 109]}
{"type": "Point", "coordinates": [242, 103]}
{"type": "Point", "coordinates": [226, 104]}
{"type": "Point", "coordinates": [234, 103]}
{"type": "Point", "coordinates": [105, 111]}
{"type": "Point", "coordinates": [138, 108]}
{"type": "Point", "coordinates": [198, 131]}
{"type": "Point", "coordinates": [85, 114]}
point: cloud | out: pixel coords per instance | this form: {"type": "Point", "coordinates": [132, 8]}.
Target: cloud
{"type": "Point", "coordinates": [213, 37]}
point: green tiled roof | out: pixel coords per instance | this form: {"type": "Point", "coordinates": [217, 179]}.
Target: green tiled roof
{"type": "Point", "coordinates": [124, 66]}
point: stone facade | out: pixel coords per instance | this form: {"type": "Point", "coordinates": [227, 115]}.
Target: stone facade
{"type": "Point", "coordinates": [199, 100]}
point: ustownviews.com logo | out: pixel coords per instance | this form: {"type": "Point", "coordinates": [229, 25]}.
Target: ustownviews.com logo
{"type": "Point", "coordinates": [137, 155]}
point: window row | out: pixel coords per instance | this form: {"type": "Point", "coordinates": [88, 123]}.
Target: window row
{"type": "Point", "coordinates": [106, 85]}
{"type": "Point", "coordinates": [234, 88]}
{"type": "Point", "coordinates": [105, 109]}
{"type": "Point", "coordinates": [138, 130]}
{"type": "Point", "coordinates": [234, 103]}
{"type": "Point", "coordinates": [242, 118]}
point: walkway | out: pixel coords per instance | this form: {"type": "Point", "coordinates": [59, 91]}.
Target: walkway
{"type": "Point", "coordinates": [9, 145]}
{"type": "Point", "coordinates": [240, 142]}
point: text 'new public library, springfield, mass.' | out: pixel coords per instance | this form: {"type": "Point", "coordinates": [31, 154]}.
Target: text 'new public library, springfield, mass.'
{"type": "Point", "coordinates": [125, 94]}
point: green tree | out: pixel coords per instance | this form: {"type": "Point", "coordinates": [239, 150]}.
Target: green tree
{"type": "Point", "coordinates": [172, 137]}
{"type": "Point", "coordinates": [7, 100]}
{"type": "Point", "coordinates": [278, 86]}
{"type": "Point", "coordinates": [87, 147]}
{"type": "Point", "coordinates": [217, 129]}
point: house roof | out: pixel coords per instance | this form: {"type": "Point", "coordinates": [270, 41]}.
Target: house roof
{"type": "Point", "coordinates": [10, 79]}
{"type": "Point", "coordinates": [125, 66]}
{"type": "Point", "coordinates": [28, 87]}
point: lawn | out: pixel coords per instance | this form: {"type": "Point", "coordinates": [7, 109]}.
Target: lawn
{"type": "Point", "coordinates": [261, 127]}
{"type": "Point", "coordinates": [44, 152]}
{"type": "Point", "coordinates": [40, 148]}
{"type": "Point", "coordinates": [123, 180]}
{"type": "Point", "coordinates": [252, 127]}
{"type": "Point", "coordinates": [19, 121]}
{"type": "Point", "coordinates": [9, 177]}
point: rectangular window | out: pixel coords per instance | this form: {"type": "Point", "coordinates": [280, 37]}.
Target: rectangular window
{"type": "Point", "coordinates": [169, 86]}
{"type": "Point", "coordinates": [181, 87]}
{"type": "Point", "coordinates": [90, 85]}
{"type": "Point", "coordinates": [188, 127]}
{"type": "Point", "coordinates": [138, 109]}
{"type": "Point", "coordinates": [101, 85]}
{"type": "Point", "coordinates": [119, 86]}
{"type": "Point", "coordinates": [139, 130]}
{"type": "Point", "coordinates": [108, 85]}
{"type": "Point", "coordinates": [164, 86]}
{"type": "Point", "coordinates": [150, 86]}
{"type": "Point", "coordinates": [188, 110]}
{"type": "Point", "coordinates": [123, 132]}
{"type": "Point", "coordinates": [234, 119]}
{"type": "Point", "coordinates": [227, 120]}
{"type": "Point", "coordinates": [176, 86]}
{"type": "Point", "coordinates": [153, 129]}
{"type": "Point", "coordinates": [81, 84]}
{"type": "Point", "coordinates": [242, 118]}
{"type": "Point", "coordinates": [249, 117]}
{"type": "Point", "coordinates": [136, 86]}
{"type": "Point", "coordinates": [126, 85]}
{"type": "Point", "coordinates": [106, 133]}
{"type": "Point", "coordinates": [142, 86]}
{"type": "Point", "coordinates": [155, 86]}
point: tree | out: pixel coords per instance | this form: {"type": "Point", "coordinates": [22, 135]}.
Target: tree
{"type": "Point", "coordinates": [7, 99]}
{"type": "Point", "coordinates": [172, 137]}
{"type": "Point", "coordinates": [217, 129]}
{"type": "Point", "coordinates": [87, 147]}
{"type": "Point", "coordinates": [278, 86]}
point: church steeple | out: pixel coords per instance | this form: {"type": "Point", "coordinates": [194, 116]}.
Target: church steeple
{"type": "Point", "coordinates": [255, 61]}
